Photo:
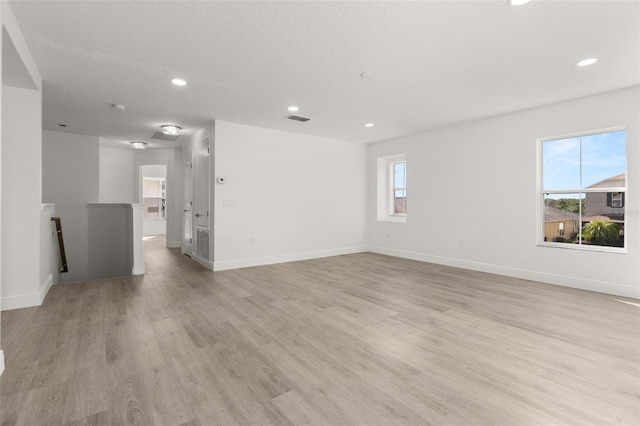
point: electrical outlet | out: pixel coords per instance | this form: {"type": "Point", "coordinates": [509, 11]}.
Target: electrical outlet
{"type": "Point", "coordinates": [253, 241]}
{"type": "Point", "coordinates": [460, 243]}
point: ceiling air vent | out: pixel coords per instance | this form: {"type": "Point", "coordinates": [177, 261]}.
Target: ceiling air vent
{"type": "Point", "coordinates": [161, 136]}
{"type": "Point", "coordinates": [297, 117]}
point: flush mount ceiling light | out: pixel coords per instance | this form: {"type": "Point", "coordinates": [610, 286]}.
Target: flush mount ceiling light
{"type": "Point", "coordinates": [293, 108]}
{"type": "Point", "coordinates": [586, 62]}
{"type": "Point", "coordinates": [179, 82]}
{"type": "Point", "coordinates": [170, 129]}
{"type": "Point", "coordinates": [139, 145]}
{"type": "Point", "coordinates": [517, 2]}
{"type": "Point", "coordinates": [369, 125]}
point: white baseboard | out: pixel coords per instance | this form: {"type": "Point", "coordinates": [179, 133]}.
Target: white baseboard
{"type": "Point", "coordinates": [138, 269]}
{"type": "Point", "coordinates": [1, 362]}
{"type": "Point", "coordinates": [22, 301]}
{"type": "Point", "coordinates": [561, 280]}
{"type": "Point", "coordinates": [291, 257]}
{"type": "Point", "coordinates": [174, 244]}
{"type": "Point", "coordinates": [44, 287]}
{"type": "Point", "coordinates": [204, 262]}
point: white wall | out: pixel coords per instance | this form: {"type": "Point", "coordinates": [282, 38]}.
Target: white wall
{"type": "Point", "coordinates": [294, 196]}
{"type": "Point", "coordinates": [1, 144]}
{"type": "Point", "coordinates": [116, 179]}
{"type": "Point", "coordinates": [120, 181]}
{"type": "Point", "coordinates": [21, 196]}
{"type": "Point", "coordinates": [70, 180]}
{"type": "Point", "coordinates": [110, 241]}
{"type": "Point", "coordinates": [477, 182]}
{"type": "Point", "coordinates": [49, 251]}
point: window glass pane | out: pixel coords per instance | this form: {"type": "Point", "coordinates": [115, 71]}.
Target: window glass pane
{"type": "Point", "coordinates": [562, 217]}
{"type": "Point", "coordinates": [561, 164]}
{"type": "Point", "coordinates": [603, 220]}
{"type": "Point", "coordinates": [604, 160]}
{"type": "Point", "coordinates": [400, 175]}
{"type": "Point", "coordinates": [400, 201]}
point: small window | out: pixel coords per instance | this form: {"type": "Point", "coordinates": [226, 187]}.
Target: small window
{"type": "Point", "coordinates": [399, 201]}
{"type": "Point", "coordinates": [615, 199]}
{"type": "Point", "coordinates": [392, 188]}
{"type": "Point", "coordinates": [583, 181]}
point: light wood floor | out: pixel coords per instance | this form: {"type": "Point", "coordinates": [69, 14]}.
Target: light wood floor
{"type": "Point", "coordinates": [352, 340]}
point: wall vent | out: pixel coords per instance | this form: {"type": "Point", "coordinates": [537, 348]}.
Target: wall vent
{"type": "Point", "coordinates": [202, 243]}
{"type": "Point", "coordinates": [297, 117]}
{"type": "Point", "coordinates": [161, 136]}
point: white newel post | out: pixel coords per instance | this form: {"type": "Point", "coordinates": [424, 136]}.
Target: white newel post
{"type": "Point", "coordinates": [138, 246]}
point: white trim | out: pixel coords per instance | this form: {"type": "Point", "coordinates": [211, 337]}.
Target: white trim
{"type": "Point", "coordinates": [18, 302]}
{"type": "Point", "coordinates": [385, 186]}
{"type": "Point", "coordinates": [138, 270]}
{"type": "Point", "coordinates": [584, 247]}
{"type": "Point", "coordinates": [541, 191]}
{"type": "Point", "coordinates": [560, 280]}
{"type": "Point", "coordinates": [1, 362]}
{"type": "Point", "coordinates": [174, 244]}
{"type": "Point", "coordinates": [584, 133]}
{"type": "Point", "coordinates": [44, 287]}
{"type": "Point", "coordinates": [204, 262]}
{"type": "Point", "coordinates": [283, 258]}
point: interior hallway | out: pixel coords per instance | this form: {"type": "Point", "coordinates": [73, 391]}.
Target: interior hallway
{"type": "Point", "coordinates": [356, 339]}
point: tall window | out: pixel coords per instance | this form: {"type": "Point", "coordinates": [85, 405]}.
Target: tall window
{"type": "Point", "coordinates": [392, 188]}
{"type": "Point", "coordinates": [584, 182]}
{"type": "Point", "coordinates": [399, 193]}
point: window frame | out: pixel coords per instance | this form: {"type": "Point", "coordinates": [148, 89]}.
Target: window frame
{"type": "Point", "coordinates": [393, 187]}
{"type": "Point", "coordinates": [541, 192]}
{"type": "Point", "coordinates": [385, 188]}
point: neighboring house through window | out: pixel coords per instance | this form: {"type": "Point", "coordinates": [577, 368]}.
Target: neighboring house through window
{"type": "Point", "coordinates": [583, 181]}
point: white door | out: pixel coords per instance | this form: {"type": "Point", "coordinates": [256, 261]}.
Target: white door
{"type": "Point", "coordinates": [201, 199]}
{"type": "Point", "coordinates": [187, 217]}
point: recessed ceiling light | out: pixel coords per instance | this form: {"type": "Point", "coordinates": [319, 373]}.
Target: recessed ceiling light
{"type": "Point", "coordinates": [139, 145]}
{"type": "Point", "coordinates": [517, 2]}
{"type": "Point", "coordinates": [170, 129]}
{"type": "Point", "coordinates": [293, 108]}
{"type": "Point", "coordinates": [367, 74]}
{"type": "Point", "coordinates": [586, 62]}
{"type": "Point", "coordinates": [179, 82]}
{"type": "Point", "coordinates": [369, 125]}
{"type": "Point", "coordinates": [118, 107]}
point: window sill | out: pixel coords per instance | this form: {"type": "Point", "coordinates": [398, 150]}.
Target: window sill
{"type": "Point", "coordinates": [394, 218]}
{"type": "Point", "coordinates": [584, 247]}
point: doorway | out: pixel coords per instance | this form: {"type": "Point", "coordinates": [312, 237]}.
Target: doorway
{"type": "Point", "coordinates": [154, 199]}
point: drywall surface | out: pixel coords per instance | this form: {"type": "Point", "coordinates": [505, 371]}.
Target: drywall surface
{"type": "Point", "coordinates": [472, 197]}
{"type": "Point", "coordinates": [286, 196]}
{"type": "Point", "coordinates": [70, 181]}
{"type": "Point", "coordinates": [116, 179]}
{"type": "Point", "coordinates": [49, 251]}
{"type": "Point", "coordinates": [21, 196]}
{"type": "Point", "coordinates": [110, 240]}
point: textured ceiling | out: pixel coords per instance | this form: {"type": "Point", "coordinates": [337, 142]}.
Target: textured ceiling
{"type": "Point", "coordinates": [434, 63]}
